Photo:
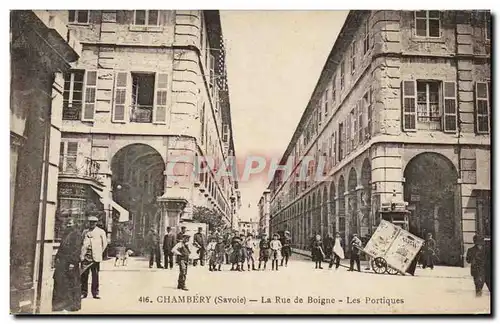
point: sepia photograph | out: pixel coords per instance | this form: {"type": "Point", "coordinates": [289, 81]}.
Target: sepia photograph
{"type": "Point", "coordinates": [250, 162]}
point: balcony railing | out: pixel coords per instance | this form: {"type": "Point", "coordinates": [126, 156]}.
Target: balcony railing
{"type": "Point", "coordinates": [432, 123]}
{"type": "Point", "coordinates": [141, 114]}
{"type": "Point", "coordinates": [72, 112]}
{"type": "Point", "coordinates": [78, 166]}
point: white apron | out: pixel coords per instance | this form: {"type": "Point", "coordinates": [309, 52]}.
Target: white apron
{"type": "Point", "coordinates": [337, 249]}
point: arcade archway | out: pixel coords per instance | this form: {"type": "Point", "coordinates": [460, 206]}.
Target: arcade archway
{"type": "Point", "coordinates": [137, 180]}
{"type": "Point", "coordinates": [431, 191]}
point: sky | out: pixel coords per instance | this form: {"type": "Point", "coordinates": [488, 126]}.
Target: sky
{"type": "Point", "coordinates": [274, 59]}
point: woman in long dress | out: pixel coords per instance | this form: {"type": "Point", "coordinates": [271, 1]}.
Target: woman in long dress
{"type": "Point", "coordinates": [66, 295]}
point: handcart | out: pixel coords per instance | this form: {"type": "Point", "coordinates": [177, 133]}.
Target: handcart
{"type": "Point", "coordinates": [392, 248]}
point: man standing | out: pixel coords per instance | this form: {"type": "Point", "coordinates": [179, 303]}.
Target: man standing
{"type": "Point", "coordinates": [153, 244]}
{"type": "Point", "coordinates": [181, 251]}
{"type": "Point", "coordinates": [429, 252]}
{"type": "Point", "coordinates": [200, 243]}
{"type": "Point", "coordinates": [476, 256]}
{"type": "Point", "coordinates": [181, 234]}
{"type": "Point", "coordinates": [168, 244]}
{"type": "Point", "coordinates": [356, 246]}
{"type": "Point", "coordinates": [94, 244]}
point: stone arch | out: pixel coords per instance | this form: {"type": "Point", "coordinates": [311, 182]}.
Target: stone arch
{"type": "Point", "coordinates": [431, 190]}
{"type": "Point", "coordinates": [137, 180]}
{"type": "Point", "coordinates": [352, 202]}
{"type": "Point", "coordinates": [341, 207]}
{"type": "Point", "coordinates": [332, 217]}
{"type": "Point", "coordinates": [367, 219]}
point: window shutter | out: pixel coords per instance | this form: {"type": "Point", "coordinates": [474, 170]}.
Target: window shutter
{"type": "Point", "coordinates": [90, 96]}
{"type": "Point", "coordinates": [334, 148]}
{"type": "Point", "coordinates": [368, 131]}
{"type": "Point", "coordinates": [482, 107]}
{"type": "Point", "coordinates": [450, 106]}
{"type": "Point", "coordinates": [361, 123]}
{"type": "Point", "coordinates": [120, 103]}
{"type": "Point", "coordinates": [160, 108]}
{"type": "Point", "coordinates": [409, 100]}
{"type": "Point", "coordinates": [349, 134]}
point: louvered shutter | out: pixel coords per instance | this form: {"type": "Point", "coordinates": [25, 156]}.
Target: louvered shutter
{"type": "Point", "coordinates": [161, 90]}
{"type": "Point", "coordinates": [120, 102]}
{"type": "Point", "coordinates": [368, 131]}
{"type": "Point", "coordinates": [90, 96]}
{"type": "Point", "coordinates": [409, 101]}
{"type": "Point", "coordinates": [450, 106]}
{"type": "Point", "coordinates": [482, 107]}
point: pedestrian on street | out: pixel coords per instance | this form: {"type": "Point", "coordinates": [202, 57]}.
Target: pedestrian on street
{"type": "Point", "coordinates": [229, 249]}
{"type": "Point", "coordinates": [264, 251]}
{"type": "Point", "coordinates": [477, 257]}
{"type": "Point", "coordinates": [243, 252]}
{"type": "Point", "coordinates": [212, 257]}
{"type": "Point", "coordinates": [286, 250]}
{"type": "Point", "coordinates": [220, 252]}
{"type": "Point", "coordinates": [153, 246]}
{"type": "Point", "coordinates": [181, 234]}
{"type": "Point", "coordinates": [66, 295]}
{"type": "Point", "coordinates": [317, 251]}
{"type": "Point", "coordinates": [337, 251]}
{"type": "Point", "coordinates": [250, 249]}
{"type": "Point", "coordinates": [429, 252]}
{"type": "Point", "coordinates": [276, 247]}
{"type": "Point", "coordinates": [356, 246]}
{"type": "Point", "coordinates": [169, 241]}
{"type": "Point", "coordinates": [199, 241]}
{"type": "Point", "coordinates": [94, 244]}
{"type": "Point", "coordinates": [181, 251]}
{"type": "Point", "coordinates": [235, 257]}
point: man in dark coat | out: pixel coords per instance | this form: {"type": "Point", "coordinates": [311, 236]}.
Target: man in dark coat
{"type": "Point", "coordinates": [153, 245]}
{"type": "Point", "coordinates": [356, 246]}
{"type": "Point", "coordinates": [181, 234]}
{"type": "Point", "coordinates": [169, 241]}
{"type": "Point", "coordinates": [199, 241]}
{"type": "Point", "coordinates": [476, 256]}
{"type": "Point", "coordinates": [66, 295]}
{"type": "Point", "coordinates": [429, 252]}
{"type": "Point", "coordinates": [181, 251]}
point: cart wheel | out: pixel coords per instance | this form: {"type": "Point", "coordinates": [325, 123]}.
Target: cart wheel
{"type": "Point", "coordinates": [392, 271]}
{"type": "Point", "coordinates": [379, 265]}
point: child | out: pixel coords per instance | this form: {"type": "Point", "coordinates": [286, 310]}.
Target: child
{"type": "Point", "coordinates": [476, 256]}
{"type": "Point", "coordinates": [211, 253]}
{"type": "Point", "coordinates": [236, 254]}
{"type": "Point", "coordinates": [317, 252]}
{"type": "Point", "coordinates": [220, 253]}
{"type": "Point", "coordinates": [243, 252]}
{"type": "Point", "coordinates": [265, 250]}
{"type": "Point", "coordinates": [275, 251]}
{"type": "Point", "coordinates": [250, 248]}
{"type": "Point", "coordinates": [286, 249]}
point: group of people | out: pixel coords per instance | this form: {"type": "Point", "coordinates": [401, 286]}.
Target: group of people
{"type": "Point", "coordinates": [78, 255]}
{"type": "Point", "coordinates": [333, 248]}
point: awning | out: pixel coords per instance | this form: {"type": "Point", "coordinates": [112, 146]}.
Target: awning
{"type": "Point", "coordinates": [124, 214]}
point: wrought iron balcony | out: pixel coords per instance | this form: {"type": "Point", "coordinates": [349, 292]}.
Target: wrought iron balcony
{"type": "Point", "coordinates": [141, 114]}
{"type": "Point", "coordinates": [78, 166]}
{"type": "Point", "coordinates": [432, 123]}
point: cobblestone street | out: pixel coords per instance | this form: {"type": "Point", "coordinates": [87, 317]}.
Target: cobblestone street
{"type": "Point", "coordinates": [138, 289]}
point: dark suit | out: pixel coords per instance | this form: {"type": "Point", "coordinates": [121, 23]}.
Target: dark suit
{"type": "Point", "coordinates": [199, 239]}
{"type": "Point", "coordinates": [169, 241]}
{"type": "Point", "coordinates": [477, 259]}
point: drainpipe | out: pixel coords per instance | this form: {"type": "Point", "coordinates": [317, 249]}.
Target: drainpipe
{"type": "Point", "coordinates": [459, 150]}
{"type": "Point", "coordinates": [46, 157]}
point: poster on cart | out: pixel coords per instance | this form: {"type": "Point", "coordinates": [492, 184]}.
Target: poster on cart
{"type": "Point", "coordinates": [381, 240]}
{"type": "Point", "coordinates": [403, 250]}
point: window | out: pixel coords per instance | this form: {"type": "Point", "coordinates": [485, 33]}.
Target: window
{"type": "Point", "coordinates": [225, 133]}
{"type": "Point", "coordinates": [333, 149]}
{"type": "Point", "coordinates": [341, 141]}
{"type": "Point", "coordinates": [427, 23]}
{"type": "Point", "coordinates": [487, 27]}
{"type": "Point", "coordinates": [142, 97]}
{"type": "Point", "coordinates": [77, 97]}
{"type": "Point", "coordinates": [366, 38]}
{"type": "Point", "coordinates": [326, 101]}
{"type": "Point", "coordinates": [342, 75]}
{"type": "Point", "coordinates": [69, 208]}
{"type": "Point", "coordinates": [67, 157]}
{"type": "Point", "coordinates": [354, 128]}
{"type": "Point", "coordinates": [353, 57]}
{"type": "Point", "coordinates": [202, 118]}
{"type": "Point", "coordinates": [146, 18]}
{"type": "Point", "coordinates": [361, 124]}
{"type": "Point", "coordinates": [367, 101]}
{"type": "Point", "coordinates": [334, 90]}
{"type": "Point", "coordinates": [429, 105]}
{"type": "Point", "coordinates": [483, 107]}
{"type": "Point", "coordinates": [73, 95]}
{"type": "Point", "coordinates": [79, 16]}
{"type": "Point", "coordinates": [319, 111]}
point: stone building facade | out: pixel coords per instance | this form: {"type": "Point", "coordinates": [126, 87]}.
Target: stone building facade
{"type": "Point", "coordinates": [402, 114]}
{"type": "Point", "coordinates": [145, 102]}
{"type": "Point", "coordinates": [42, 49]}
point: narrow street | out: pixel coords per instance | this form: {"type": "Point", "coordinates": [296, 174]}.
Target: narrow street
{"type": "Point", "coordinates": [138, 289]}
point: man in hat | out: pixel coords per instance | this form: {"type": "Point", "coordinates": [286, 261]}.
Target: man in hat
{"type": "Point", "coordinates": [199, 241]}
{"type": "Point", "coordinates": [477, 257]}
{"type": "Point", "coordinates": [181, 251]}
{"type": "Point", "coordinates": [356, 246]}
{"type": "Point", "coordinates": [181, 234]}
{"type": "Point", "coordinates": [286, 250]}
{"type": "Point", "coordinates": [94, 244]}
{"type": "Point", "coordinates": [153, 245]}
{"type": "Point", "coordinates": [168, 244]}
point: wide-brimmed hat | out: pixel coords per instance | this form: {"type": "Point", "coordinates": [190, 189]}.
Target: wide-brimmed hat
{"type": "Point", "coordinates": [93, 219]}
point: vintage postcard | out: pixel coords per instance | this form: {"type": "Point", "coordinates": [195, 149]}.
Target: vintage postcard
{"type": "Point", "coordinates": [250, 162]}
